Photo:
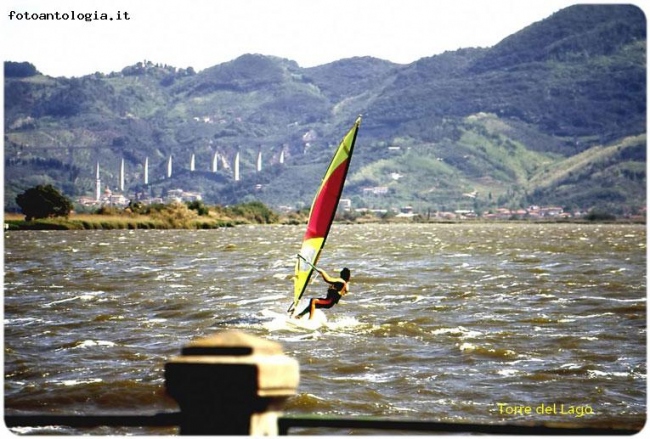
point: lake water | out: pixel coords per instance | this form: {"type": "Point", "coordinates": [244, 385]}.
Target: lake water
{"type": "Point", "coordinates": [447, 322]}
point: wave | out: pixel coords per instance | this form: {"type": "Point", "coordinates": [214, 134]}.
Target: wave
{"type": "Point", "coordinates": [458, 331]}
{"type": "Point", "coordinates": [470, 348]}
{"type": "Point", "coordinates": [344, 323]}
{"type": "Point", "coordinates": [80, 382]}
{"type": "Point", "coordinates": [57, 302]}
{"type": "Point", "coordinates": [310, 403]}
{"type": "Point", "coordinates": [398, 328]}
{"type": "Point", "coordinates": [85, 344]}
{"type": "Point", "coordinates": [587, 370]}
{"type": "Point", "coordinates": [48, 430]}
{"type": "Point", "coordinates": [509, 372]}
{"type": "Point", "coordinates": [22, 321]}
{"type": "Point", "coordinates": [262, 299]}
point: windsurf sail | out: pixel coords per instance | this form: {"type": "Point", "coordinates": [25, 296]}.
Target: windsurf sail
{"type": "Point", "coordinates": [323, 210]}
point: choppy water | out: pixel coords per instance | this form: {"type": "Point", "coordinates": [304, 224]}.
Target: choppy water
{"type": "Point", "coordinates": [444, 322]}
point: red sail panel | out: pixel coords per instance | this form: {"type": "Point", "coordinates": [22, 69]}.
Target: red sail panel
{"type": "Point", "coordinates": [326, 203]}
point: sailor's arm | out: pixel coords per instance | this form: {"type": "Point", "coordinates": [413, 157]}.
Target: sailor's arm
{"type": "Point", "coordinates": [332, 280]}
{"type": "Point", "coordinates": [326, 277]}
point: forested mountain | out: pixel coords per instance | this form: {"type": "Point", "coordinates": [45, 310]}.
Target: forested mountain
{"type": "Point", "coordinates": [553, 114]}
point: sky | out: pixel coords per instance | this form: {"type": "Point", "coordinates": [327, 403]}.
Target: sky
{"type": "Point", "coordinates": [203, 33]}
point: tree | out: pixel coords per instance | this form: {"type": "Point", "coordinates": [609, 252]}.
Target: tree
{"type": "Point", "coordinates": [43, 201]}
{"type": "Point", "coordinates": [200, 208]}
{"type": "Point", "coordinates": [19, 69]}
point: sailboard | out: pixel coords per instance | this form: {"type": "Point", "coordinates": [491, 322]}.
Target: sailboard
{"type": "Point", "coordinates": [284, 322]}
{"type": "Point", "coordinates": [322, 212]}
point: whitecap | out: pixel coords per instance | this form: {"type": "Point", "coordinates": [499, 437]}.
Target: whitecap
{"type": "Point", "coordinates": [600, 373]}
{"type": "Point", "coordinates": [468, 347]}
{"type": "Point", "coordinates": [204, 259]}
{"type": "Point", "coordinates": [342, 323]}
{"type": "Point", "coordinates": [459, 331]}
{"type": "Point", "coordinates": [93, 343]}
{"type": "Point", "coordinates": [50, 429]}
{"type": "Point", "coordinates": [570, 366]}
{"type": "Point", "coordinates": [377, 377]}
{"type": "Point", "coordinates": [249, 301]}
{"type": "Point", "coordinates": [22, 321]}
{"type": "Point", "coordinates": [612, 299]}
{"type": "Point", "coordinates": [508, 372]}
{"type": "Point", "coordinates": [78, 382]}
{"type": "Point", "coordinates": [56, 302]}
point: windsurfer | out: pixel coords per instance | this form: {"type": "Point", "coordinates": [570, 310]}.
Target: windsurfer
{"type": "Point", "coordinates": [338, 286]}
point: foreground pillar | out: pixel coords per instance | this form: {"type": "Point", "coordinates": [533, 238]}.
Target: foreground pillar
{"type": "Point", "coordinates": [231, 383]}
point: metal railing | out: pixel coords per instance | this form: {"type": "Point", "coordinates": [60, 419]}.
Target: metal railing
{"type": "Point", "coordinates": [285, 423]}
{"type": "Point", "coordinates": [171, 419]}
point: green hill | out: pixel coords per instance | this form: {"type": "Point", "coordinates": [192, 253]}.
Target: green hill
{"type": "Point", "coordinates": [553, 114]}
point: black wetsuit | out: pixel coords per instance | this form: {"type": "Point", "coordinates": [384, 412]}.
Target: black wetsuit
{"type": "Point", "coordinates": [333, 297]}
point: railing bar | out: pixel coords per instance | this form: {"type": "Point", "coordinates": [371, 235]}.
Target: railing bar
{"type": "Point", "coordinates": [169, 419]}
{"type": "Point", "coordinates": [285, 423]}
{"type": "Point", "coordinates": [156, 420]}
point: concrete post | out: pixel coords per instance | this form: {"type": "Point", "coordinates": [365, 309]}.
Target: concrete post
{"type": "Point", "coordinates": [231, 383]}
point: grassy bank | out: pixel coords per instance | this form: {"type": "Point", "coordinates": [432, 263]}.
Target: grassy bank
{"type": "Point", "coordinates": [109, 222]}
{"type": "Point", "coordinates": [175, 216]}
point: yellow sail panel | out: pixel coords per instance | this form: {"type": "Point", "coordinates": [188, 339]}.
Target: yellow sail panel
{"type": "Point", "coordinates": [341, 159]}
{"type": "Point", "coordinates": [323, 210]}
{"type": "Point", "coordinates": [310, 250]}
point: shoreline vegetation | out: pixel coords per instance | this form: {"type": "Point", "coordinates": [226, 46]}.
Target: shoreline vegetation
{"type": "Point", "coordinates": [198, 216]}
{"type": "Point", "coordinates": [162, 216]}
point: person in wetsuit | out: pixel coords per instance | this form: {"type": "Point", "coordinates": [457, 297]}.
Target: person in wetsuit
{"type": "Point", "coordinates": [338, 286]}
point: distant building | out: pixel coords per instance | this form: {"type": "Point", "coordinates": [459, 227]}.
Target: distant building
{"type": "Point", "coordinates": [174, 195]}
{"type": "Point", "coordinates": [179, 196]}
{"type": "Point", "coordinates": [87, 201]}
{"type": "Point", "coordinates": [446, 215]}
{"type": "Point", "coordinates": [377, 190]}
{"type": "Point", "coordinates": [551, 211]}
{"type": "Point", "coordinates": [532, 212]}
{"type": "Point", "coordinates": [345, 204]}
{"type": "Point", "coordinates": [405, 212]}
{"type": "Point", "coordinates": [118, 200]}
{"type": "Point", "coordinates": [465, 214]}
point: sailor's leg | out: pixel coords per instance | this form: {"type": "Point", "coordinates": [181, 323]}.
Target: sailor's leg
{"type": "Point", "coordinates": [305, 311]}
{"type": "Point", "coordinates": [318, 303]}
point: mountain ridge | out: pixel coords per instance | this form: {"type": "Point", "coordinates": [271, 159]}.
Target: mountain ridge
{"type": "Point", "coordinates": [485, 120]}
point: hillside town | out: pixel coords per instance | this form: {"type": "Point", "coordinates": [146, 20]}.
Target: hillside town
{"type": "Point", "coordinates": [118, 199]}
{"type": "Point", "coordinates": [346, 207]}
{"type": "Point", "coordinates": [532, 212]}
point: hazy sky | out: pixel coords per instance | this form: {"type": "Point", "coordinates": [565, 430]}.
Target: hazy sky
{"type": "Point", "coordinates": [202, 33]}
